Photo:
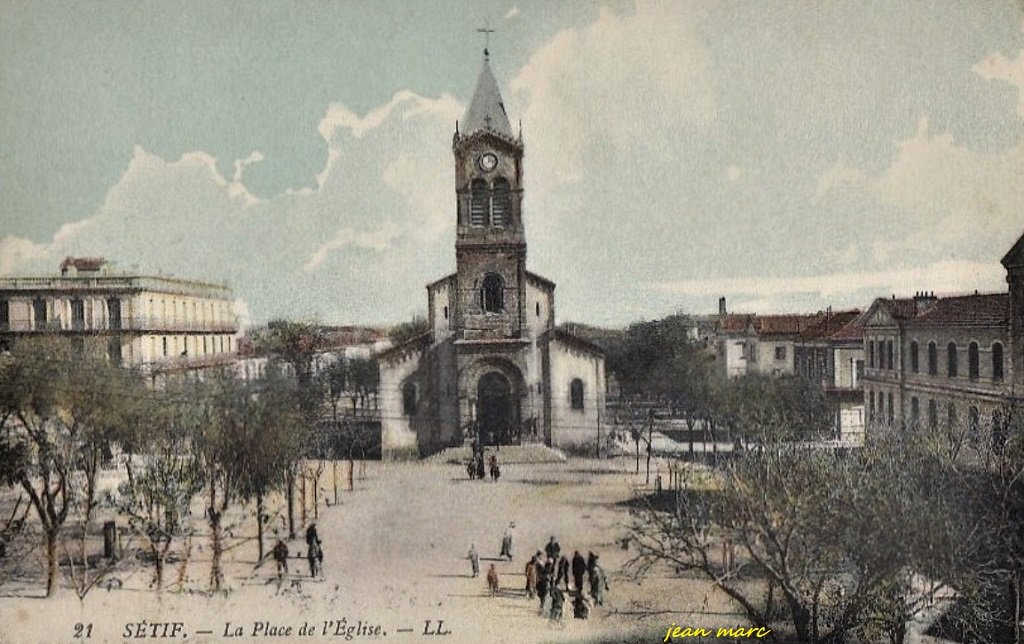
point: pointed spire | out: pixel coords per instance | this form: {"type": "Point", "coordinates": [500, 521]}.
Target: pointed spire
{"type": "Point", "coordinates": [486, 111]}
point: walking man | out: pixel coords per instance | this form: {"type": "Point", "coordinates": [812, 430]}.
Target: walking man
{"type": "Point", "coordinates": [474, 560]}
{"type": "Point", "coordinates": [579, 567]}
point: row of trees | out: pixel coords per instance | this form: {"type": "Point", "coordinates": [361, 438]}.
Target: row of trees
{"type": "Point", "coordinates": [829, 546]}
{"type": "Point", "coordinates": [205, 443]}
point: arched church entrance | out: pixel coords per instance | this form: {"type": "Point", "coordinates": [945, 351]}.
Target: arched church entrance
{"type": "Point", "coordinates": [497, 410]}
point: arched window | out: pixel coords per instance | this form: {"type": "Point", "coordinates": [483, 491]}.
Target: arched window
{"type": "Point", "coordinates": [409, 398]}
{"type": "Point", "coordinates": [933, 359]}
{"type": "Point", "coordinates": [492, 293]}
{"type": "Point", "coordinates": [997, 361]}
{"type": "Point", "coordinates": [915, 412]}
{"type": "Point", "coordinates": [998, 432]}
{"type": "Point", "coordinates": [972, 361]}
{"type": "Point", "coordinates": [933, 415]}
{"type": "Point", "coordinates": [576, 393]}
{"type": "Point", "coordinates": [501, 203]}
{"type": "Point", "coordinates": [951, 364]}
{"type": "Point", "coordinates": [973, 421]}
{"type": "Point", "coordinates": [892, 411]}
{"type": "Point", "coordinates": [914, 364]}
{"type": "Point", "coordinates": [478, 205]}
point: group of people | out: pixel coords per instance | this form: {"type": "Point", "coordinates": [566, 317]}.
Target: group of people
{"type": "Point", "coordinates": [475, 467]}
{"type": "Point", "coordinates": [547, 572]}
{"type": "Point", "coordinates": [314, 554]}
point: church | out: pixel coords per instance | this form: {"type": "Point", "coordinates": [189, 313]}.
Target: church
{"type": "Point", "coordinates": [493, 366]}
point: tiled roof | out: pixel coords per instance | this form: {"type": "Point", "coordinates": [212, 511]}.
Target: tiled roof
{"type": "Point", "coordinates": [734, 323]}
{"type": "Point", "coordinates": [899, 309]}
{"type": "Point", "coordinates": [985, 309]}
{"type": "Point", "coordinates": [784, 324]}
{"type": "Point", "coordinates": [829, 324]}
{"type": "Point", "coordinates": [854, 330]}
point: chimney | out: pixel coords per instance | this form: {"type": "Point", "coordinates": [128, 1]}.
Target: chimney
{"type": "Point", "coordinates": [721, 307]}
{"type": "Point", "coordinates": [923, 301]}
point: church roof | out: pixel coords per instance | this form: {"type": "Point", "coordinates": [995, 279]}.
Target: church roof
{"type": "Point", "coordinates": [486, 111]}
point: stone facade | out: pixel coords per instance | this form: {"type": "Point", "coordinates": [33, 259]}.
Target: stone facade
{"type": "Point", "coordinates": [947, 363]}
{"type": "Point", "coordinates": [492, 366]}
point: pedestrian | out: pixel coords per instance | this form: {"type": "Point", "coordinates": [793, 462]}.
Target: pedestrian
{"type": "Point", "coordinates": [492, 580]}
{"type": "Point", "coordinates": [552, 549]}
{"type": "Point", "coordinates": [495, 470]}
{"type": "Point", "coordinates": [480, 473]}
{"type": "Point", "coordinates": [579, 567]}
{"type": "Point", "coordinates": [563, 571]}
{"type": "Point", "coordinates": [471, 469]}
{"type": "Point", "coordinates": [506, 541]}
{"type": "Point", "coordinates": [314, 557]}
{"type": "Point", "coordinates": [557, 603]}
{"type": "Point", "coordinates": [313, 552]}
{"type": "Point", "coordinates": [474, 560]}
{"type": "Point", "coordinates": [598, 584]}
{"type": "Point", "coordinates": [531, 577]}
{"type": "Point", "coordinates": [591, 562]}
{"type": "Point", "coordinates": [280, 553]}
{"type": "Point", "coordinates": [543, 586]}
{"type": "Point", "coordinates": [580, 607]}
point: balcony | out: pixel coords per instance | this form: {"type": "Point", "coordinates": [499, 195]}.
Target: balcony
{"type": "Point", "coordinates": [137, 324]}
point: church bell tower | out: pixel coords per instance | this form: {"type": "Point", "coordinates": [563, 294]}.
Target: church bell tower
{"type": "Point", "coordinates": [490, 246]}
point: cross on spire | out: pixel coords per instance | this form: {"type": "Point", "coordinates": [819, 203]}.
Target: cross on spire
{"type": "Point", "coordinates": [486, 31]}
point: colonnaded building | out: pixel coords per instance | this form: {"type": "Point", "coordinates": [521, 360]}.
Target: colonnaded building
{"type": "Point", "coordinates": [492, 364]}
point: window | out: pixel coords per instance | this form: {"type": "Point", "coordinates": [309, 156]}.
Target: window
{"type": "Point", "coordinates": [933, 415]}
{"type": "Point", "coordinates": [478, 203]}
{"type": "Point", "coordinates": [997, 362]}
{"type": "Point", "coordinates": [5, 315]}
{"type": "Point", "coordinates": [951, 417]}
{"type": "Point", "coordinates": [165, 345]}
{"type": "Point", "coordinates": [998, 432]}
{"type": "Point", "coordinates": [576, 393]}
{"type": "Point", "coordinates": [933, 359]}
{"type": "Point", "coordinates": [892, 411]}
{"type": "Point", "coordinates": [39, 313]}
{"type": "Point", "coordinates": [78, 346]}
{"type": "Point", "coordinates": [114, 350]}
{"type": "Point", "coordinates": [871, 406]}
{"type": "Point", "coordinates": [973, 422]}
{"type": "Point", "coordinates": [871, 353]}
{"type": "Point", "coordinates": [77, 314]}
{"type": "Point", "coordinates": [914, 365]}
{"type": "Point", "coordinates": [780, 353]}
{"type": "Point", "coordinates": [972, 361]}
{"type": "Point", "coordinates": [492, 294]}
{"type": "Point", "coordinates": [114, 313]}
{"type": "Point", "coordinates": [951, 364]}
{"type": "Point", "coordinates": [501, 203]}
{"type": "Point", "coordinates": [889, 354]}
{"type": "Point", "coordinates": [915, 412]}
{"type": "Point", "coordinates": [409, 398]}
{"type": "Point", "coordinates": [446, 312]}
{"type": "Point", "coordinates": [538, 309]}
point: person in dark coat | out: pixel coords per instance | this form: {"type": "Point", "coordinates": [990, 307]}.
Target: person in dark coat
{"type": "Point", "coordinates": [579, 568]}
{"type": "Point", "coordinates": [553, 549]}
{"type": "Point", "coordinates": [492, 580]}
{"type": "Point", "coordinates": [557, 603]}
{"type": "Point", "coordinates": [313, 552]}
{"type": "Point", "coordinates": [543, 585]}
{"type": "Point", "coordinates": [591, 562]}
{"type": "Point", "coordinates": [506, 542]}
{"type": "Point", "coordinates": [580, 607]}
{"type": "Point", "coordinates": [474, 560]}
{"type": "Point", "coordinates": [495, 470]}
{"type": "Point", "coordinates": [280, 552]}
{"type": "Point", "coordinates": [563, 571]}
{"type": "Point", "coordinates": [598, 584]}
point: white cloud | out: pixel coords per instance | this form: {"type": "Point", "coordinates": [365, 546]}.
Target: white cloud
{"type": "Point", "coordinates": [378, 240]}
{"type": "Point", "coordinates": [512, 13]}
{"type": "Point", "coordinates": [949, 276]}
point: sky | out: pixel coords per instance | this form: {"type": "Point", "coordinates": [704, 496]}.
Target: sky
{"type": "Point", "coordinates": [787, 155]}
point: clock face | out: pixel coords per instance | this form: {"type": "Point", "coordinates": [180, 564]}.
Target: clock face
{"type": "Point", "coordinates": [488, 161]}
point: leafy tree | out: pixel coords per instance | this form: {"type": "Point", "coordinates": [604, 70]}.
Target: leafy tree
{"type": "Point", "coordinates": [405, 331]}
{"type": "Point", "coordinates": [164, 477]}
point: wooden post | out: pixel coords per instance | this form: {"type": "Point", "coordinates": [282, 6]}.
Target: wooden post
{"type": "Point", "coordinates": [334, 473]}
